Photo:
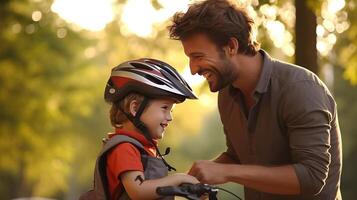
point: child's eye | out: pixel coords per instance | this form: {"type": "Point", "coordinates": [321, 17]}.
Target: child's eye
{"type": "Point", "coordinates": [167, 108]}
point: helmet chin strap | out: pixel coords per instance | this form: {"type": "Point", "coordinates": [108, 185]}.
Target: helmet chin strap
{"type": "Point", "coordinates": [142, 127]}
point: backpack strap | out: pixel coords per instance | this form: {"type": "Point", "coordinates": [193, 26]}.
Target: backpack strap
{"type": "Point", "coordinates": [101, 186]}
{"type": "Point", "coordinates": [118, 139]}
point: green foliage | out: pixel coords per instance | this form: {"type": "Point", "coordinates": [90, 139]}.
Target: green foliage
{"type": "Point", "coordinates": [346, 47]}
{"type": "Point", "coordinates": [41, 98]}
{"type": "Point", "coordinates": [346, 98]}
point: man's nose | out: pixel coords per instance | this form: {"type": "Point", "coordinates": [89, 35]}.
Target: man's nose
{"type": "Point", "coordinates": [194, 68]}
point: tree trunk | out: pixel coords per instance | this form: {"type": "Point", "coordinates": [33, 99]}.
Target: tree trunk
{"type": "Point", "coordinates": [305, 36]}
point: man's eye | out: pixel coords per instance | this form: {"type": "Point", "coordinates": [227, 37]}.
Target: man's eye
{"type": "Point", "coordinates": [198, 57]}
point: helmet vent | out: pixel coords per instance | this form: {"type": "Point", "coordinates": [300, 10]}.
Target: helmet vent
{"type": "Point", "coordinates": [141, 66]}
{"type": "Point", "coordinates": [163, 67]}
{"type": "Point", "coordinates": [157, 81]}
{"type": "Point", "coordinates": [170, 72]}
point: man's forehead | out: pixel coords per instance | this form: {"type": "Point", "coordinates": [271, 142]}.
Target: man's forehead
{"type": "Point", "coordinates": [197, 43]}
{"type": "Point", "coordinates": [197, 38]}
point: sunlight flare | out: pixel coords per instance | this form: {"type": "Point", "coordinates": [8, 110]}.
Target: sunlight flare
{"type": "Point", "coordinates": [92, 15]}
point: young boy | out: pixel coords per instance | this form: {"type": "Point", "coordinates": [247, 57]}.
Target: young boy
{"type": "Point", "coordinates": [142, 93]}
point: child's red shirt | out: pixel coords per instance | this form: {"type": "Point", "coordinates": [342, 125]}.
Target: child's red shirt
{"type": "Point", "coordinates": [125, 157]}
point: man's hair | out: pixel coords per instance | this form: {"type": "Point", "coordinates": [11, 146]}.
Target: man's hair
{"type": "Point", "coordinates": [219, 20]}
{"type": "Point", "coordinates": [117, 117]}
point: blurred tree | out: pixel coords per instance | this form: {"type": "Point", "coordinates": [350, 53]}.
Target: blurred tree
{"type": "Point", "coordinates": [305, 36]}
{"type": "Point", "coordinates": [42, 96]}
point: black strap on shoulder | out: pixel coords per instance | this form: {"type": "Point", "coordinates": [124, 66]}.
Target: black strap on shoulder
{"type": "Point", "coordinates": [118, 139]}
{"type": "Point", "coordinates": [110, 144]}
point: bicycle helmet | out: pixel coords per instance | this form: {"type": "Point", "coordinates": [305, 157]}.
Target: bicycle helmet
{"type": "Point", "coordinates": [150, 77]}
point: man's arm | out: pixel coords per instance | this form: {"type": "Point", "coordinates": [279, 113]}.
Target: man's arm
{"type": "Point", "coordinates": [266, 179]}
{"type": "Point", "coordinates": [277, 180]}
{"type": "Point", "coordinates": [307, 110]}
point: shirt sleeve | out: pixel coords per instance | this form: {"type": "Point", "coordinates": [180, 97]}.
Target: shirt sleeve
{"type": "Point", "coordinates": [124, 157]}
{"type": "Point", "coordinates": [307, 110]}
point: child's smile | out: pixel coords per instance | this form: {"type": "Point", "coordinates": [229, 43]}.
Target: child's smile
{"type": "Point", "coordinates": [157, 116]}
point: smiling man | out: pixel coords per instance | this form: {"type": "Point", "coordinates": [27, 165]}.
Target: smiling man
{"type": "Point", "coordinates": [280, 120]}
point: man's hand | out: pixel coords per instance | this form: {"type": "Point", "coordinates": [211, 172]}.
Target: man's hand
{"type": "Point", "coordinates": [209, 172]}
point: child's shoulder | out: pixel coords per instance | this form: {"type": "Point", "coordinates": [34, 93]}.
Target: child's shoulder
{"type": "Point", "coordinates": [125, 149]}
{"type": "Point", "coordinates": [124, 157]}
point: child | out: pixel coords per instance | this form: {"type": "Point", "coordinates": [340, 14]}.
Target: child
{"type": "Point", "coordinates": [142, 93]}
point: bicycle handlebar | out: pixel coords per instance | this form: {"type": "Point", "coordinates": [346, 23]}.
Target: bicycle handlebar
{"type": "Point", "coordinates": [188, 190]}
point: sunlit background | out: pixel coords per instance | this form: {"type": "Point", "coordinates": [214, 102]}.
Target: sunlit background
{"type": "Point", "coordinates": [96, 14]}
{"type": "Point", "coordinates": [55, 58]}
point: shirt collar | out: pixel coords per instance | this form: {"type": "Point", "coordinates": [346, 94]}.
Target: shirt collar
{"type": "Point", "coordinates": [135, 135]}
{"type": "Point", "coordinates": [264, 78]}
{"type": "Point", "coordinates": [265, 75]}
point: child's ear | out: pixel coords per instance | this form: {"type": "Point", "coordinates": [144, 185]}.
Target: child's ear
{"type": "Point", "coordinates": [133, 107]}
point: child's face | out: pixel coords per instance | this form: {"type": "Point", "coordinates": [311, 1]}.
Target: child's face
{"type": "Point", "coordinates": [157, 116]}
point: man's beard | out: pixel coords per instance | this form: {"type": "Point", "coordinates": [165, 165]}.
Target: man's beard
{"type": "Point", "coordinates": [225, 76]}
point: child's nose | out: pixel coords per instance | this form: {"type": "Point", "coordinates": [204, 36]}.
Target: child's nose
{"type": "Point", "coordinates": [169, 117]}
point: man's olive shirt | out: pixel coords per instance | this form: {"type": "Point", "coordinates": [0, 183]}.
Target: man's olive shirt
{"type": "Point", "coordinates": [294, 121]}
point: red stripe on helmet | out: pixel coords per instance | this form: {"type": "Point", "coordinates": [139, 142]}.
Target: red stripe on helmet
{"type": "Point", "coordinates": [121, 81]}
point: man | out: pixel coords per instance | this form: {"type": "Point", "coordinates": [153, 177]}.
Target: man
{"type": "Point", "coordinates": [280, 120]}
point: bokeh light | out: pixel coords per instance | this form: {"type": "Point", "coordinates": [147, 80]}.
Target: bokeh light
{"type": "Point", "coordinates": [89, 14]}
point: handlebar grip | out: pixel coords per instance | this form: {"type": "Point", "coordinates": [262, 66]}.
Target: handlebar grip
{"type": "Point", "coordinates": [167, 190]}
{"type": "Point", "coordinates": [198, 189]}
